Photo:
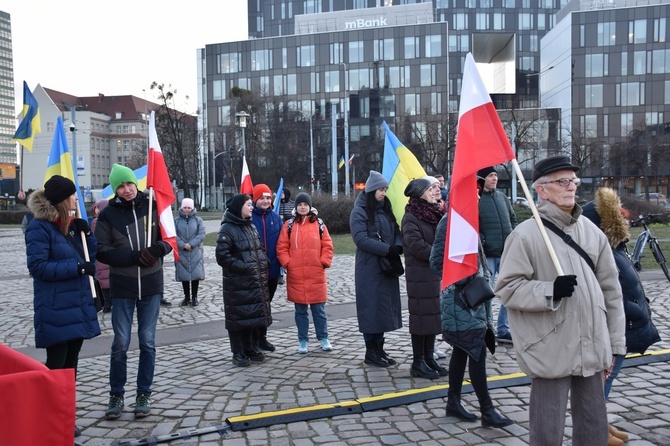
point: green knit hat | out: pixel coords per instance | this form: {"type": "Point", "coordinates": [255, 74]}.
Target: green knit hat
{"type": "Point", "coordinates": [121, 174]}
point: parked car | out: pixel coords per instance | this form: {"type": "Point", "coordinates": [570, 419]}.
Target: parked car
{"type": "Point", "coordinates": [655, 198]}
{"type": "Point", "coordinates": [522, 203]}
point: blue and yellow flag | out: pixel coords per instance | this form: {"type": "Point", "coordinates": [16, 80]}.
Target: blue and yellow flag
{"type": "Point", "coordinates": [30, 124]}
{"type": "Point", "coordinates": [280, 190]}
{"type": "Point", "coordinates": [140, 173]}
{"type": "Point", "coordinates": [400, 167]}
{"type": "Point", "coordinates": [60, 163]}
{"type": "Point", "coordinates": [341, 163]}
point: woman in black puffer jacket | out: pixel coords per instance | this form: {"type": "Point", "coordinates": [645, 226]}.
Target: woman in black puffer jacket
{"type": "Point", "coordinates": [246, 297]}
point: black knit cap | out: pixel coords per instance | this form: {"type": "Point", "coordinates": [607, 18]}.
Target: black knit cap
{"type": "Point", "coordinates": [58, 188]}
{"type": "Point", "coordinates": [552, 164]}
{"type": "Point", "coordinates": [417, 187]}
{"type": "Point", "coordinates": [483, 173]}
{"type": "Point", "coordinates": [303, 198]}
{"type": "Point", "coordinates": [235, 203]}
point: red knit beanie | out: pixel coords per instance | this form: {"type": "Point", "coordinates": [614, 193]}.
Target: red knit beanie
{"type": "Point", "coordinates": [261, 190]}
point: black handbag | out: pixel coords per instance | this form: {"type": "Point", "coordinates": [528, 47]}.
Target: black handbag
{"type": "Point", "coordinates": [391, 267]}
{"type": "Point", "coordinates": [477, 292]}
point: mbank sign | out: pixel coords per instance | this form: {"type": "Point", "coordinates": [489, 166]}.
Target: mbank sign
{"type": "Point", "coordinates": [363, 23]}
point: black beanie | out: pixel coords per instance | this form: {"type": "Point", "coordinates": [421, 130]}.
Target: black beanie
{"type": "Point", "coordinates": [303, 198]}
{"type": "Point", "coordinates": [234, 205]}
{"type": "Point", "coordinates": [58, 188]}
{"type": "Point", "coordinates": [483, 173]}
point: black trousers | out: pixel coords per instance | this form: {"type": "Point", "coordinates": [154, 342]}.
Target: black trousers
{"type": "Point", "coordinates": [64, 356]}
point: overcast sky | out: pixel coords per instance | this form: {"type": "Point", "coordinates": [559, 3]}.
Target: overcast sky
{"type": "Point", "coordinates": [85, 47]}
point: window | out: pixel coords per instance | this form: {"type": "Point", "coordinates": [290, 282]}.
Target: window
{"type": "Point", "coordinates": [412, 104]}
{"type": "Point", "coordinates": [482, 20]}
{"type": "Point", "coordinates": [485, 4]}
{"type": "Point", "coordinates": [659, 30]}
{"type": "Point", "coordinates": [660, 61]}
{"type": "Point", "coordinates": [306, 56]}
{"type": "Point", "coordinates": [509, 4]}
{"type": "Point", "coordinates": [336, 53]}
{"type": "Point", "coordinates": [427, 75]}
{"type": "Point", "coordinates": [541, 21]}
{"type": "Point", "coordinates": [534, 43]}
{"type": "Point", "coordinates": [526, 21]}
{"type": "Point", "coordinates": [291, 84]}
{"type": "Point", "coordinates": [219, 90]}
{"type": "Point", "coordinates": [229, 63]}
{"type": "Point", "coordinates": [312, 6]}
{"type": "Point", "coordinates": [411, 47]}
{"type": "Point", "coordinates": [639, 62]}
{"type": "Point", "coordinates": [332, 81]}
{"type": "Point", "coordinates": [459, 43]}
{"type": "Point", "coordinates": [593, 95]}
{"type": "Point", "coordinates": [626, 123]}
{"type": "Point", "coordinates": [527, 63]}
{"type": "Point", "coordinates": [667, 93]}
{"type": "Point", "coordinates": [434, 46]}
{"type": "Point", "coordinates": [460, 21]}
{"type": "Point", "coordinates": [264, 84]}
{"type": "Point", "coordinates": [637, 31]}
{"type": "Point", "coordinates": [315, 86]}
{"type": "Point", "coordinates": [606, 34]}
{"type": "Point", "coordinates": [261, 60]}
{"type": "Point", "coordinates": [396, 77]}
{"type": "Point", "coordinates": [498, 21]}
{"type": "Point", "coordinates": [356, 53]}
{"type": "Point", "coordinates": [436, 103]}
{"type": "Point", "coordinates": [596, 65]}
{"type": "Point", "coordinates": [278, 83]}
{"type": "Point", "coordinates": [383, 49]}
{"type": "Point", "coordinates": [359, 79]}
{"type": "Point", "coordinates": [629, 93]}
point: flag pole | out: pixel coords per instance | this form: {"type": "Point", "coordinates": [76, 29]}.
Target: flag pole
{"type": "Point", "coordinates": [151, 208]}
{"type": "Point", "coordinates": [537, 218]}
{"type": "Point", "coordinates": [91, 282]}
{"type": "Point", "coordinates": [21, 194]}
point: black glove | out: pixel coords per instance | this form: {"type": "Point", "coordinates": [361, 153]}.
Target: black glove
{"type": "Point", "coordinates": [399, 248]}
{"type": "Point", "coordinates": [394, 251]}
{"type": "Point", "coordinates": [148, 257]}
{"type": "Point", "coordinates": [87, 268]}
{"type": "Point", "coordinates": [81, 225]}
{"type": "Point", "coordinates": [564, 286]}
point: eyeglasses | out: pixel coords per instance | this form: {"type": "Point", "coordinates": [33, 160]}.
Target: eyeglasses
{"type": "Point", "coordinates": [565, 182]}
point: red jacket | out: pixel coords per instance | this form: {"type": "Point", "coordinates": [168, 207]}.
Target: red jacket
{"type": "Point", "coordinates": [305, 257]}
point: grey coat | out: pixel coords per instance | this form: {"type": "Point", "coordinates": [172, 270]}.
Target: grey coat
{"type": "Point", "coordinates": [190, 229]}
{"type": "Point", "coordinates": [377, 296]}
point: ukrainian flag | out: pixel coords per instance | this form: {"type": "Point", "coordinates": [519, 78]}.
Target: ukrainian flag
{"type": "Point", "coordinates": [341, 163]}
{"type": "Point", "coordinates": [140, 173]}
{"type": "Point", "coordinates": [400, 167]}
{"type": "Point", "coordinates": [30, 124]}
{"type": "Point", "coordinates": [60, 163]}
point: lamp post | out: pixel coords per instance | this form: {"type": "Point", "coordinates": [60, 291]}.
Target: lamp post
{"type": "Point", "coordinates": [73, 129]}
{"type": "Point", "coordinates": [242, 122]}
{"type": "Point", "coordinates": [346, 129]}
{"type": "Point", "coordinates": [223, 171]}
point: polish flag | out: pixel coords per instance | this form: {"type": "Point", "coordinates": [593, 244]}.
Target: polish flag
{"type": "Point", "coordinates": [158, 180]}
{"type": "Point", "coordinates": [246, 186]}
{"type": "Point", "coordinates": [481, 142]}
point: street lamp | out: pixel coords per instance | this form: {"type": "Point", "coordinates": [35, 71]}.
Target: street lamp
{"type": "Point", "coordinates": [223, 174]}
{"type": "Point", "coordinates": [241, 118]}
{"type": "Point", "coordinates": [346, 129]}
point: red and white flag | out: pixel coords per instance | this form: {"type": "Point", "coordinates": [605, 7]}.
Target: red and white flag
{"type": "Point", "coordinates": [159, 181]}
{"type": "Point", "coordinates": [246, 186]}
{"type": "Point", "coordinates": [481, 142]}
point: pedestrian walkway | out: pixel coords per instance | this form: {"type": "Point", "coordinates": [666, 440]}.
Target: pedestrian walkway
{"type": "Point", "coordinates": [197, 390]}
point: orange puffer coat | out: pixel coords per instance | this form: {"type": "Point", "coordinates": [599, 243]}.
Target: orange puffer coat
{"type": "Point", "coordinates": [305, 255]}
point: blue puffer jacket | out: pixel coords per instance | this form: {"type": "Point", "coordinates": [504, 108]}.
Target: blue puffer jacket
{"type": "Point", "coordinates": [64, 309]}
{"type": "Point", "coordinates": [269, 224]}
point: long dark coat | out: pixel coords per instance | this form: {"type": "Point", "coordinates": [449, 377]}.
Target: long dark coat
{"type": "Point", "coordinates": [377, 296]}
{"type": "Point", "coordinates": [190, 229]}
{"type": "Point", "coordinates": [240, 253]}
{"type": "Point", "coordinates": [423, 286]}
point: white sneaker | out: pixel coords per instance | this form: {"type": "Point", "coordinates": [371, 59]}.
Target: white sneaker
{"type": "Point", "coordinates": [325, 345]}
{"type": "Point", "coordinates": [439, 354]}
{"type": "Point", "coordinates": [302, 349]}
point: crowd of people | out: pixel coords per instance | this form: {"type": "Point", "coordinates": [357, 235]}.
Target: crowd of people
{"type": "Point", "coordinates": [571, 316]}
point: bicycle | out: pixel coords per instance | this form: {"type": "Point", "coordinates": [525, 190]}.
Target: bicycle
{"type": "Point", "coordinates": [646, 238]}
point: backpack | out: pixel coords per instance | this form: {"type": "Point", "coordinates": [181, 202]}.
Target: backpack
{"type": "Point", "coordinates": [292, 220]}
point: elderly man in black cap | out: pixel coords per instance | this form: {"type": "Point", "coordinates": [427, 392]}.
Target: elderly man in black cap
{"type": "Point", "coordinates": [566, 328]}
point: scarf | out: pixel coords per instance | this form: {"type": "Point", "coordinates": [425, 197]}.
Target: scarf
{"type": "Point", "coordinates": [421, 209]}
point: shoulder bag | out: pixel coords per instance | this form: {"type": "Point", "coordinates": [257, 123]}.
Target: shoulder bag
{"type": "Point", "coordinates": [390, 267]}
{"type": "Point", "coordinates": [477, 292]}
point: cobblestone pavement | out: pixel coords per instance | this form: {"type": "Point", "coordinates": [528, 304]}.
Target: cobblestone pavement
{"type": "Point", "coordinates": [196, 386]}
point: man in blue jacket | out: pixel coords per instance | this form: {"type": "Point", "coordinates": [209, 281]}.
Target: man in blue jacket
{"type": "Point", "coordinates": [136, 281]}
{"type": "Point", "coordinates": [269, 224]}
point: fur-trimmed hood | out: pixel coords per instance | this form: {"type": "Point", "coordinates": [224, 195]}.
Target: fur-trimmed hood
{"type": "Point", "coordinates": [41, 208]}
{"type": "Point", "coordinates": [605, 212]}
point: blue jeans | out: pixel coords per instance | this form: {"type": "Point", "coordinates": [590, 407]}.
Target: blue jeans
{"type": "Point", "coordinates": [503, 323]}
{"type": "Point", "coordinates": [122, 322]}
{"type": "Point", "coordinates": [320, 321]}
{"type": "Point", "coordinates": [615, 373]}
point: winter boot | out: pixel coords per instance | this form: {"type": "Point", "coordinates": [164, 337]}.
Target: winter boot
{"type": "Point", "coordinates": [419, 367]}
{"type": "Point", "coordinates": [456, 409]}
{"type": "Point", "coordinates": [491, 417]}
{"type": "Point", "coordinates": [383, 354]}
{"type": "Point", "coordinates": [263, 342]}
{"type": "Point", "coordinates": [429, 358]}
{"type": "Point", "coordinates": [187, 295]}
{"type": "Point", "coordinates": [372, 356]}
{"type": "Point", "coordinates": [185, 303]}
{"type": "Point", "coordinates": [194, 301]}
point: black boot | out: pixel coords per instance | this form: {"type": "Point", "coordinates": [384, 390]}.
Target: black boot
{"type": "Point", "coordinates": [372, 356]}
{"type": "Point", "coordinates": [187, 294]}
{"type": "Point", "coordinates": [186, 302]}
{"type": "Point", "coordinates": [419, 367]}
{"type": "Point", "coordinates": [491, 417]}
{"type": "Point", "coordinates": [194, 301]}
{"type": "Point", "coordinates": [456, 409]}
{"type": "Point", "coordinates": [428, 350]}
{"type": "Point", "coordinates": [263, 342]}
{"type": "Point", "coordinates": [383, 354]}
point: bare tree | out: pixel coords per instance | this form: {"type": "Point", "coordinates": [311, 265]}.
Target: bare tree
{"type": "Point", "coordinates": [178, 134]}
{"type": "Point", "coordinates": [432, 138]}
